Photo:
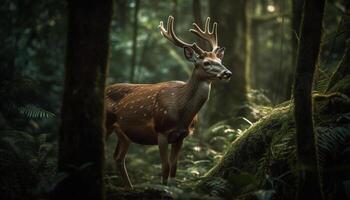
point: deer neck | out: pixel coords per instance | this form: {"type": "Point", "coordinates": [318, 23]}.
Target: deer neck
{"type": "Point", "coordinates": [195, 94]}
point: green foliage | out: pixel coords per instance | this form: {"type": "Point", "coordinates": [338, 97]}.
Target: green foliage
{"type": "Point", "coordinates": [274, 171]}
{"type": "Point", "coordinates": [31, 79]}
{"type": "Point", "coordinates": [26, 159]}
{"type": "Point", "coordinates": [322, 80]}
{"type": "Point", "coordinates": [198, 154]}
{"type": "Point", "coordinates": [279, 161]}
{"type": "Point", "coordinates": [32, 111]}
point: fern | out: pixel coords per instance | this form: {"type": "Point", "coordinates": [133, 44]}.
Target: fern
{"type": "Point", "coordinates": [331, 142]}
{"type": "Point", "coordinates": [217, 186]}
{"type": "Point", "coordinates": [322, 82]}
{"type": "Point", "coordinates": [31, 149]}
{"type": "Point", "coordinates": [32, 111]}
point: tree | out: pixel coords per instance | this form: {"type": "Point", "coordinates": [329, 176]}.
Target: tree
{"type": "Point", "coordinates": [308, 182]}
{"type": "Point", "coordinates": [233, 35]}
{"type": "Point", "coordinates": [134, 42]}
{"type": "Point", "coordinates": [297, 10]}
{"type": "Point", "coordinates": [81, 142]}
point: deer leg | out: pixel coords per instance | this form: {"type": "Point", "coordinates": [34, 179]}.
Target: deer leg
{"type": "Point", "coordinates": [174, 155]}
{"type": "Point", "coordinates": [163, 149]}
{"type": "Point", "coordinates": [119, 157]}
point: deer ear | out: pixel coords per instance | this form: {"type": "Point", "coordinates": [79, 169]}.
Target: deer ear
{"type": "Point", "coordinates": [190, 54]}
{"type": "Point", "coordinates": [220, 52]}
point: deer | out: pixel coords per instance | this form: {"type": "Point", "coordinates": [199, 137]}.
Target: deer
{"type": "Point", "coordinates": [164, 113]}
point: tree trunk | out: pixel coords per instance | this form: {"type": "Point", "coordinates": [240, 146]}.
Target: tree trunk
{"type": "Point", "coordinates": [134, 42]}
{"type": "Point", "coordinates": [297, 10]}
{"type": "Point", "coordinates": [255, 43]}
{"type": "Point", "coordinates": [308, 182]}
{"type": "Point", "coordinates": [233, 35]}
{"type": "Point", "coordinates": [81, 142]}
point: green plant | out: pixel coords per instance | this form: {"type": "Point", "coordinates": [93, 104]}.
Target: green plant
{"type": "Point", "coordinates": [32, 111]}
{"type": "Point", "coordinates": [26, 159]}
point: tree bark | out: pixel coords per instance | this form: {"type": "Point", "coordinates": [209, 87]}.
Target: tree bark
{"type": "Point", "coordinates": [134, 42]}
{"type": "Point", "coordinates": [81, 142]}
{"type": "Point", "coordinates": [297, 11]}
{"type": "Point", "coordinates": [233, 35]}
{"type": "Point", "coordinates": [308, 183]}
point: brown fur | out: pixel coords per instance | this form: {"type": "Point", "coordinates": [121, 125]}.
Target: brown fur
{"type": "Point", "coordinates": [164, 113]}
{"type": "Point", "coordinates": [141, 113]}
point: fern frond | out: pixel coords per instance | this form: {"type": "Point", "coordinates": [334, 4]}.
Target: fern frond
{"type": "Point", "coordinates": [217, 186]}
{"type": "Point", "coordinates": [322, 82]}
{"type": "Point", "coordinates": [331, 142]}
{"type": "Point", "coordinates": [32, 111]}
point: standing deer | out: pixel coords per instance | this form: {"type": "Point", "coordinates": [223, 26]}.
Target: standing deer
{"type": "Point", "coordinates": [163, 113]}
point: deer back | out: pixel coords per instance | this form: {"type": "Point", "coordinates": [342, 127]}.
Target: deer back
{"type": "Point", "coordinates": [141, 107]}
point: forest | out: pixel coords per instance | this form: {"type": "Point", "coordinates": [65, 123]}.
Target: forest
{"type": "Point", "coordinates": [175, 99]}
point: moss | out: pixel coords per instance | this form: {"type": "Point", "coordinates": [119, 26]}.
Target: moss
{"type": "Point", "coordinates": [267, 149]}
{"type": "Point", "coordinates": [247, 149]}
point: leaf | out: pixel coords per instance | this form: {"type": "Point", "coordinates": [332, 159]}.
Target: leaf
{"type": "Point", "coordinates": [31, 111]}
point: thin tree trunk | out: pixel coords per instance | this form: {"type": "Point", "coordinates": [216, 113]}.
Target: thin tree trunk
{"type": "Point", "coordinates": [254, 54]}
{"type": "Point", "coordinates": [134, 42]}
{"type": "Point", "coordinates": [81, 142]}
{"type": "Point", "coordinates": [308, 173]}
{"type": "Point", "coordinates": [297, 11]}
{"type": "Point", "coordinates": [246, 31]}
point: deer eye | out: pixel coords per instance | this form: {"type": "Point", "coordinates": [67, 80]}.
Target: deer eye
{"type": "Point", "coordinates": [206, 63]}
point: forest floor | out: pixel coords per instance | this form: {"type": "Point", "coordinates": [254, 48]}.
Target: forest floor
{"type": "Point", "coordinates": [261, 161]}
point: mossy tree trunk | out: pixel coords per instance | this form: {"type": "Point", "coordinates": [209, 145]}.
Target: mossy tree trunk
{"type": "Point", "coordinates": [308, 183]}
{"type": "Point", "coordinates": [233, 29]}
{"type": "Point", "coordinates": [81, 142]}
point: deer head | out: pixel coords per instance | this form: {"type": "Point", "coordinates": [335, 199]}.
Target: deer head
{"type": "Point", "coordinates": [207, 63]}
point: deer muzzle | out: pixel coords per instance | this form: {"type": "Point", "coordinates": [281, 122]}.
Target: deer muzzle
{"type": "Point", "coordinates": [224, 74]}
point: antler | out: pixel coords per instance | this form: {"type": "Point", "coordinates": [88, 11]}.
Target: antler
{"type": "Point", "coordinates": [170, 35]}
{"type": "Point", "coordinates": [211, 37]}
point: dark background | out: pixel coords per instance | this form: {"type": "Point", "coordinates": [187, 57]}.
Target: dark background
{"type": "Point", "coordinates": [260, 37]}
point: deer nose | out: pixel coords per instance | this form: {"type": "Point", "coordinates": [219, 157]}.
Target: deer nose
{"type": "Point", "coordinates": [227, 74]}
